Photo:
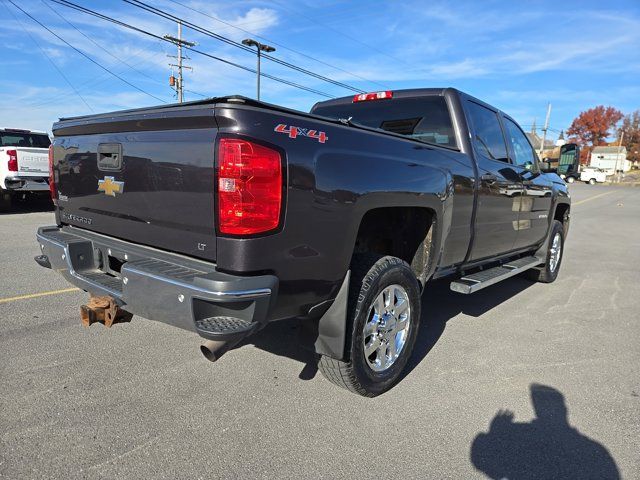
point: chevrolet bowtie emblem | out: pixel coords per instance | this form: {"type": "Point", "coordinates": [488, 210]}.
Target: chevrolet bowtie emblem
{"type": "Point", "coordinates": [110, 186]}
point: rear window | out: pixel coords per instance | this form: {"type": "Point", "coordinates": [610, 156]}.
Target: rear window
{"type": "Point", "coordinates": [421, 118]}
{"type": "Point", "coordinates": [14, 139]}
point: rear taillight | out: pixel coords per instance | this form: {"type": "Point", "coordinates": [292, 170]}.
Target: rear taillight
{"type": "Point", "coordinates": [363, 97]}
{"type": "Point", "coordinates": [249, 187]}
{"type": "Point", "coordinates": [13, 160]}
{"type": "Point", "coordinates": [52, 182]}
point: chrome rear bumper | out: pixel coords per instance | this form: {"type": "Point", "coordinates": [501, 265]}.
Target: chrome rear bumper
{"type": "Point", "coordinates": [157, 285]}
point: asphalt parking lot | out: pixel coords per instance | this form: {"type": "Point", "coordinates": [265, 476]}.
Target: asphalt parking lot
{"type": "Point", "coordinates": [520, 380]}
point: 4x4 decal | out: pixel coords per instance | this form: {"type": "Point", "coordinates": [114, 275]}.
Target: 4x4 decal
{"type": "Point", "coordinates": [295, 132]}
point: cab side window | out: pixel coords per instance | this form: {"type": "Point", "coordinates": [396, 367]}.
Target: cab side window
{"type": "Point", "coordinates": [488, 140]}
{"type": "Point", "coordinates": [522, 152]}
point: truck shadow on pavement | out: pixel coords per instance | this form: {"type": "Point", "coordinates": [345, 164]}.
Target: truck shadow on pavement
{"type": "Point", "coordinates": [546, 447]}
{"type": "Point", "coordinates": [30, 204]}
{"type": "Point", "coordinates": [439, 305]}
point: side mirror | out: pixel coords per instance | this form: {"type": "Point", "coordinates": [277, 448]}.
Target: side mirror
{"type": "Point", "coordinates": [545, 166]}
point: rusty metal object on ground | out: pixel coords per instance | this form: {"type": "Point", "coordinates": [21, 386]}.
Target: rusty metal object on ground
{"type": "Point", "coordinates": [103, 310]}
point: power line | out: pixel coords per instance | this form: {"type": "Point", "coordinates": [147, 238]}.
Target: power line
{"type": "Point", "coordinates": [106, 50]}
{"type": "Point", "coordinates": [51, 60]}
{"type": "Point", "coordinates": [84, 54]}
{"type": "Point", "coordinates": [204, 31]}
{"type": "Point", "coordinates": [96, 43]}
{"type": "Point", "coordinates": [551, 129]}
{"type": "Point", "coordinates": [92, 82]}
{"type": "Point", "coordinates": [196, 93]}
{"type": "Point", "coordinates": [88, 11]}
{"type": "Point", "coordinates": [297, 52]}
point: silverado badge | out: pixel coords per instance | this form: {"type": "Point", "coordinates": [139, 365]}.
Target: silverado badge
{"type": "Point", "coordinates": [110, 186]}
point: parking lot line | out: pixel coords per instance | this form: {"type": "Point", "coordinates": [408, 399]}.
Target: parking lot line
{"type": "Point", "coordinates": [39, 294]}
{"type": "Point", "coordinates": [592, 198]}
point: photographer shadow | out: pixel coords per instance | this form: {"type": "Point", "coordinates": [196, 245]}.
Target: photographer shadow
{"type": "Point", "coordinates": [548, 447]}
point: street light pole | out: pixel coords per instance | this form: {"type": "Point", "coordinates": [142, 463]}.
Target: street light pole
{"type": "Point", "coordinates": [260, 47]}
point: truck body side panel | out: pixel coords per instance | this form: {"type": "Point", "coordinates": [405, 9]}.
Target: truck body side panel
{"type": "Point", "coordinates": [331, 186]}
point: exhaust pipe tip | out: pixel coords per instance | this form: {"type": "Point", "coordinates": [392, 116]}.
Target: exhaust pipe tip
{"type": "Point", "coordinates": [210, 349]}
{"type": "Point", "coordinates": [214, 349]}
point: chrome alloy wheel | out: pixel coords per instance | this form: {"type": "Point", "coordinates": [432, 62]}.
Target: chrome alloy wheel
{"type": "Point", "coordinates": [387, 328]}
{"type": "Point", "coordinates": [555, 251]}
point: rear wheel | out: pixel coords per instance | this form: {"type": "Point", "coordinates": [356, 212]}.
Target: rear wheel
{"type": "Point", "coordinates": [570, 179]}
{"type": "Point", "coordinates": [555, 248]}
{"type": "Point", "coordinates": [384, 316]}
{"type": "Point", "coordinates": [592, 181]}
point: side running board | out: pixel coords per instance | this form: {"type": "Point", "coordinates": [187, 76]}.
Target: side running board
{"type": "Point", "coordinates": [478, 281]}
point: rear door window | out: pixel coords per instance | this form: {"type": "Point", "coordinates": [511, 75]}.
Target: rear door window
{"type": "Point", "coordinates": [488, 139]}
{"type": "Point", "coordinates": [421, 118]}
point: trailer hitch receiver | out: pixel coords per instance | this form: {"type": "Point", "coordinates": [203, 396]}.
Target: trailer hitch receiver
{"type": "Point", "coordinates": [103, 310]}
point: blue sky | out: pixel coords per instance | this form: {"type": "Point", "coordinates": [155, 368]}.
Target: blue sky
{"type": "Point", "coordinates": [515, 55]}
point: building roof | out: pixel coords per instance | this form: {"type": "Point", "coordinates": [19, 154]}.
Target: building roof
{"type": "Point", "coordinates": [535, 140]}
{"type": "Point", "coordinates": [609, 150]}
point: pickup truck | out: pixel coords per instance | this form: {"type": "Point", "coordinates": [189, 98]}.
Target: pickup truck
{"type": "Point", "coordinates": [593, 175]}
{"type": "Point", "coordinates": [24, 165]}
{"type": "Point", "coordinates": [219, 216]}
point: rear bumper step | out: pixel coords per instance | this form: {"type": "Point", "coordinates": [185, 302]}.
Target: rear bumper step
{"type": "Point", "coordinates": [176, 290]}
{"type": "Point", "coordinates": [478, 281]}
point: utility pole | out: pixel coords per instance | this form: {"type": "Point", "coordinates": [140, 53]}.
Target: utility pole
{"type": "Point", "coordinates": [618, 156]}
{"type": "Point", "coordinates": [177, 83]}
{"type": "Point", "coordinates": [260, 47]}
{"type": "Point", "coordinates": [544, 130]}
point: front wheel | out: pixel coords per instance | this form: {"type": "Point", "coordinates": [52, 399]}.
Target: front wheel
{"type": "Point", "coordinates": [570, 179]}
{"type": "Point", "coordinates": [384, 316]}
{"type": "Point", "coordinates": [555, 248]}
{"type": "Point", "coordinates": [592, 181]}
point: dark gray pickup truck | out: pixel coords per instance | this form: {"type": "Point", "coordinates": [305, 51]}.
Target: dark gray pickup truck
{"type": "Point", "coordinates": [222, 215]}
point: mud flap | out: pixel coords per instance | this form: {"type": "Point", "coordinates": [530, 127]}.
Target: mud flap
{"type": "Point", "coordinates": [329, 333]}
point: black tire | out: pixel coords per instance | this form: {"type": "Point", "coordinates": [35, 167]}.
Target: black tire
{"type": "Point", "coordinates": [546, 274]}
{"type": "Point", "coordinates": [592, 181]}
{"type": "Point", "coordinates": [570, 179]}
{"type": "Point", "coordinates": [370, 275]}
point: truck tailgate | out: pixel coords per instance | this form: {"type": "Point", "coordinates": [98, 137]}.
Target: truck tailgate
{"type": "Point", "coordinates": [33, 161]}
{"type": "Point", "coordinates": [145, 181]}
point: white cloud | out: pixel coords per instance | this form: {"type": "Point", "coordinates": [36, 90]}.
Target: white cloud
{"type": "Point", "coordinates": [257, 20]}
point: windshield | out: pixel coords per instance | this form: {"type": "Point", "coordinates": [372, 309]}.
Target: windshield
{"type": "Point", "coordinates": [421, 118]}
{"type": "Point", "coordinates": [15, 139]}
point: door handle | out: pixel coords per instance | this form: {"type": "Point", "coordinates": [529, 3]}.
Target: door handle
{"type": "Point", "coordinates": [489, 178]}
